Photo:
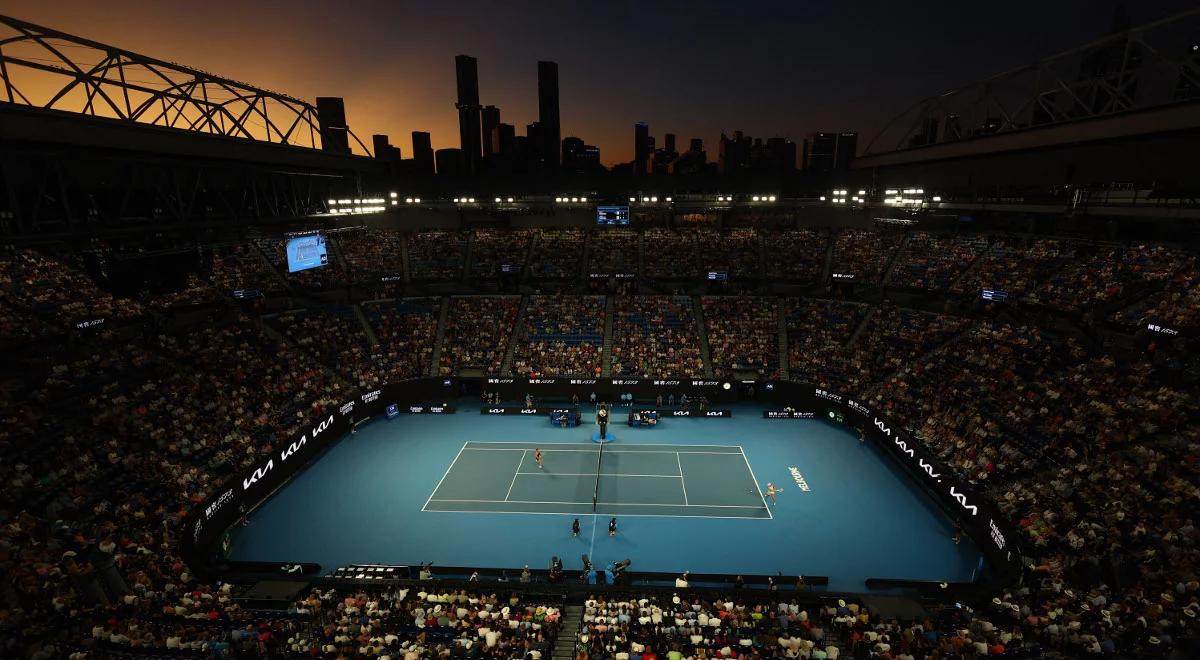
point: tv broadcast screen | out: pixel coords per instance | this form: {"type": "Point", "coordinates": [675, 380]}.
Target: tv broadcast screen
{"type": "Point", "coordinates": [612, 215]}
{"type": "Point", "coordinates": [306, 252]}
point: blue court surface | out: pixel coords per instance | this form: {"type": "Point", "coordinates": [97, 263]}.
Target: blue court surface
{"type": "Point", "coordinates": [465, 490]}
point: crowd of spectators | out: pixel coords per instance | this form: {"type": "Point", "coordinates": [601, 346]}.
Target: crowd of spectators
{"type": "Point", "coordinates": [55, 284]}
{"type": "Point", "coordinates": [1015, 266]}
{"type": "Point", "coordinates": [493, 248]}
{"type": "Point", "coordinates": [1099, 274]}
{"type": "Point", "coordinates": [558, 254]}
{"type": "Point", "coordinates": [933, 262]}
{"type": "Point", "coordinates": [655, 337]}
{"type": "Point", "coordinates": [1090, 454]}
{"type": "Point", "coordinates": [406, 331]}
{"type": "Point", "coordinates": [372, 254]}
{"type": "Point", "coordinates": [796, 254]}
{"type": "Point", "coordinates": [687, 625]}
{"type": "Point", "coordinates": [692, 253]}
{"type": "Point", "coordinates": [1176, 305]}
{"type": "Point", "coordinates": [336, 339]}
{"type": "Point", "coordinates": [559, 336]}
{"type": "Point", "coordinates": [436, 255]}
{"type": "Point", "coordinates": [819, 333]}
{"type": "Point", "coordinates": [743, 334]}
{"type": "Point", "coordinates": [1093, 462]}
{"type": "Point", "coordinates": [478, 329]}
{"type": "Point", "coordinates": [615, 250]}
{"type": "Point", "coordinates": [864, 254]}
{"type": "Point", "coordinates": [893, 337]}
{"type": "Point", "coordinates": [420, 623]}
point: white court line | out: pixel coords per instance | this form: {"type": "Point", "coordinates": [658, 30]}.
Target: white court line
{"type": "Point", "coordinates": [608, 451]}
{"type": "Point", "coordinates": [577, 444]}
{"type": "Point", "coordinates": [623, 515]}
{"type": "Point", "coordinates": [756, 486]}
{"type": "Point", "coordinates": [695, 506]}
{"type": "Point", "coordinates": [682, 482]}
{"type": "Point", "coordinates": [439, 483]}
{"type": "Point", "coordinates": [603, 474]}
{"type": "Point", "coordinates": [514, 481]}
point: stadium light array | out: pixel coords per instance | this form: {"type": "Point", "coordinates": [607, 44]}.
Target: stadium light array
{"type": "Point", "coordinates": [393, 195]}
{"type": "Point", "coordinates": [497, 200]}
{"type": "Point", "coordinates": [936, 198]}
{"type": "Point", "coordinates": [822, 198]}
{"type": "Point", "coordinates": [510, 199]}
{"type": "Point", "coordinates": [668, 199]}
{"type": "Point", "coordinates": [633, 199]}
{"type": "Point", "coordinates": [654, 199]}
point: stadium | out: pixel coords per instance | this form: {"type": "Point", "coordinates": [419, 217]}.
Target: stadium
{"type": "Point", "coordinates": [270, 391]}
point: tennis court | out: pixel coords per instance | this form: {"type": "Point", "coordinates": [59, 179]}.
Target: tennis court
{"type": "Point", "coordinates": [702, 481]}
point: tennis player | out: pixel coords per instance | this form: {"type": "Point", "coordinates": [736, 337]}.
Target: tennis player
{"type": "Point", "coordinates": [537, 456]}
{"type": "Point", "coordinates": [772, 491]}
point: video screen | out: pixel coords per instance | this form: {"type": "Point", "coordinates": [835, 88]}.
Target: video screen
{"type": "Point", "coordinates": [612, 215]}
{"type": "Point", "coordinates": [306, 252]}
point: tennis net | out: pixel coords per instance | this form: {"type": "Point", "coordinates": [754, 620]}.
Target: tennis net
{"type": "Point", "coordinates": [596, 492]}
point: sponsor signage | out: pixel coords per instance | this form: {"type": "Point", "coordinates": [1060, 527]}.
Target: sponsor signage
{"type": "Point", "coordinates": [789, 414]}
{"type": "Point", "coordinates": [1162, 329]}
{"type": "Point", "coordinates": [695, 413]}
{"type": "Point", "coordinates": [827, 395]}
{"type": "Point", "coordinates": [799, 479]}
{"type": "Point", "coordinates": [501, 381]}
{"type": "Point", "coordinates": [995, 295]}
{"type": "Point", "coordinates": [845, 277]}
{"type": "Point", "coordinates": [87, 325]}
{"type": "Point", "coordinates": [247, 294]}
{"type": "Point", "coordinates": [510, 410]}
{"type": "Point", "coordinates": [542, 381]}
{"type": "Point", "coordinates": [390, 278]}
{"type": "Point", "coordinates": [428, 410]}
{"type": "Point", "coordinates": [626, 382]}
{"type": "Point", "coordinates": [718, 275]}
{"type": "Point", "coordinates": [582, 381]}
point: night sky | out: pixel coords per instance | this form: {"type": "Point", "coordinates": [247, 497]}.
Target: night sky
{"type": "Point", "coordinates": [691, 68]}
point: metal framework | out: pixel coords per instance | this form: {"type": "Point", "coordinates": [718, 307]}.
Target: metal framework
{"type": "Point", "coordinates": [45, 68]}
{"type": "Point", "coordinates": [1150, 66]}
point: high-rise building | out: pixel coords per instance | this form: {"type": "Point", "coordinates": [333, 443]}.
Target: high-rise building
{"type": "Point", "coordinates": [782, 154]}
{"type": "Point", "coordinates": [641, 148]}
{"type": "Point", "coordinates": [467, 73]}
{"type": "Point", "coordinates": [551, 129]}
{"type": "Point", "coordinates": [669, 143]}
{"type": "Point", "coordinates": [422, 153]}
{"type": "Point", "coordinates": [696, 144]}
{"type": "Point", "coordinates": [734, 153]}
{"type": "Point", "coordinates": [828, 152]}
{"type": "Point", "coordinates": [331, 117]}
{"type": "Point", "coordinates": [579, 158]}
{"type": "Point", "coordinates": [847, 148]}
{"type": "Point", "coordinates": [490, 117]}
{"type": "Point", "coordinates": [450, 162]}
{"type": "Point", "coordinates": [506, 140]}
{"type": "Point", "coordinates": [818, 152]}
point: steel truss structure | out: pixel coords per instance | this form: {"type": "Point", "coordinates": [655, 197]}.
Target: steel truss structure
{"type": "Point", "coordinates": [45, 68]}
{"type": "Point", "coordinates": [1151, 66]}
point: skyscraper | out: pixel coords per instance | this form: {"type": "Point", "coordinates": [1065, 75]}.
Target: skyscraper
{"type": "Point", "coordinates": [551, 130]}
{"type": "Point", "coordinates": [847, 147]}
{"type": "Point", "coordinates": [422, 153]}
{"type": "Point", "coordinates": [467, 72]}
{"type": "Point", "coordinates": [331, 115]}
{"type": "Point", "coordinates": [669, 143]}
{"type": "Point", "coordinates": [819, 151]}
{"type": "Point", "coordinates": [491, 122]}
{"type": "Point", "coordinates": [641, 148]}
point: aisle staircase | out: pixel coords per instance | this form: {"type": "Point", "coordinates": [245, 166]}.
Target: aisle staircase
{"type": "Point", "coordinates": [891, 264]}
{"type": "Point", "coordinates": [518, 335]}
{"type": "Point", "coordinates": [568, 636]}
{"type": "Point", "coordinates": [366, 326]}
{"type": "Point", "coordinates": [784, 372]}
{"type": "Point", "coordinates": [440, 338]}
{"type": "Point", "coordinates": [702, 332]}
{"type": "Point", "coordinates": [606, 352]}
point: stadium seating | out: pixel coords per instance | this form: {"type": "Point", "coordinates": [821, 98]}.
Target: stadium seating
{"type": "Point", "coordinates": [561, 336]}
{"type": "Point", "coordinates": [655, 337]}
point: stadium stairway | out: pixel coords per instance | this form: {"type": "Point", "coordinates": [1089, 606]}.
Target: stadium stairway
{"type": "Point", "coordinates": [966, 272]}
{"type": "Point", "coordinates": [830, 240]}
{"type": "Point", "coordinates": [606, 351]}
{"type": "Point", "coordinates": [518, 332]}
{"type": "Point", "coordinates": [861, 326]}
{"type": "Point", "coordinates": [784, 371]}
{"type": "Point", "coordinates": [407, 271]}
{"type": "Point", "coordinates": [467, 256]}
{"type": "Point", "coordinates": [366, 327]}
{"type": "Point", "coordinates": [564, 645]}
{"type": "Point", "coordinates": [585, 259]}
{"type": "Point", "coordinates": [527, 264]}
{"type": "Point", "coordinates": [893, 260]}
{"type": "Point", "coordinates": [701, 332]}
{"type": "Point", "coordinates": [436, 359]}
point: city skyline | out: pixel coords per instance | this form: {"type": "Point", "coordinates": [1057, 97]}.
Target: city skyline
{"type": "Point", "coordinates": [769, 69]}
